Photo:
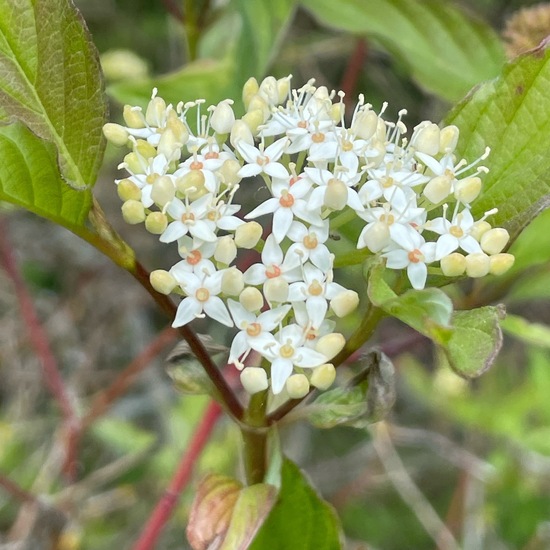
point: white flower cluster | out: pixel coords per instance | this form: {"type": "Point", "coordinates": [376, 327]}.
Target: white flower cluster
{"type": "Point", "coordinates": [185, 170]}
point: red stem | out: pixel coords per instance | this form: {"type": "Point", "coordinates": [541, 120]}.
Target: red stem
{"type": "Point", "coordinates": [169, 499]}
{"type": "Point", "coordinates": [18, 492]}
{"type": "Point", "coordinates": [349, 80]}
{"type": "Point", "coordinates": [41, 345]}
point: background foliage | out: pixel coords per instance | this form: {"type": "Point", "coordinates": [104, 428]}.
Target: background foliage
{"type": "Point", "coordinates": [478, 451]}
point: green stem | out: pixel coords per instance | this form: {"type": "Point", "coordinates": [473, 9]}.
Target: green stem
{"type": "Point", "coordinates": [191, 25]}
{"type": "Point", "coordinates": [255, 438]}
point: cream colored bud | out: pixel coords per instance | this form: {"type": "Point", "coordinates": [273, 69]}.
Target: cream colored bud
{"type": "Point", "coordinates": [133, 117]}
{"type": "Point", "coordinates": [258, 103]}
{"type": "Point", "coordinates": [500, 263]}
{"type": "Point", "coordinates": [163, 190]}
{"type": "Point", "coordinates": [426, 138]}
{"type": "Point", "coordinates": [134, 163]}
{"type": "Point", "coordinates": [376, 237]}
{"type": "Point", "coordinates": [123, 65]}
{"type": "Point", "coordinates": [222, 118]}
{"type": "Point", "coordinates": [453, 265]}
{"type": "Point", "coordinates": [162, 281]}
{"type": "Point", "coordinates": [377, 153]}
{"type": "Point", "coordinates": [128, 190]}
{"type": "Point", "coordinates": [254, 380]}
{"type": "Point", "coordinates": [248, 234]}
{"type": "Point", "coordinates": [494, 240]}
{"type": "Point", "coordinates": [232, 282]}
{"type": "Point", "coordinates": [241, 131]}
{"type": "Point", "coordinates": [337, 112]}
{"type": "Point", "coordinates": [226, 250]}
{"type": "Point", "coordinates": [253, 119]}
{"type": "Point", "coordinates": [365, 123]}
{"type": "Point", "coordinates": [133, 212]}
{"type": "Point", "coordinates": [269, 90]}
{"type": "Point", "coordinates": [156, 223]}
{"type": "Point", "coordinates": [229, 172]}
{"type": "Point", "coordinates": [331, 344]}
{"type": "Point", "coordinates": [191, 185]}
{"type": "Point", "coordinates": [336, 195]}
{"type": "Point", "coordinates": [468, 189]}
{"type": "Point", "coordinates": [438, 189]}
{"type": "Point", "coordinates": [283, 88]}
{"type": "Point", "coordinates": [156, 112]}
{"type": "Point", "coordinates": [115, 134]}
{"type": "Point", "coordinates": [168, 145]}
{"type": "Point", "coordinates": [381, 130]}
{"type": "Point", "coordinates": [323, 377]}
{"type": "Point", "coordinates": [177, 127]}
{"type": "Point", "coordinates": [479, 229]}
{"type": "Point", "coordinates": [477, 265]}
{"type": "Point", "coordinates": [251, 299]}
{"type": "Point", "coordinates": [448, 139]}
{"type": "Point", "coordinates": [276, 290]}
{"type": "Point", "coordinates": [145, 149]}
{"type": "Point", "coordinates": [344, 303]}
{"type": "Point", "coordinates": [297, 386]}
{"type": "Point", "coordinates": [250, 89]}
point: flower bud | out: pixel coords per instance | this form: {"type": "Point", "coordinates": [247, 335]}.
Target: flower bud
{"type": "Point", "coordinates": [269, 90]}
{"type": "Point", "coordinates": [226, 250]}
{"type": "Point", "coordinates": [250, 89]}
{"type": "Point", "coordinates": [162, 281]}
{"type": "Point", "coordinates": [115, 134]}
{"type": "Point", "coordinates": [438, 189]}
{"type": "Point", "coordinates": [123, 65]}
{"type": "Point", "coordinates": [156, 112]}
{"type": "Point", "coordinates": [191, 185]}
{"type": "Point", "coordinates": [331, 344]}
{"type": "Point", "coordinates": [376, 153]}
{"type": "Point", "coordinates": [169, 146]}
{"type": "Point", "coordinates": [336, 195]}
{"type": "Point", "coordinates": [477, 264]}
{"type": "Point", "coordinates": [468, 189]}
{"type": "Point", "coordinates": [134, 163]}
{"type": "Point", "coordinates": [223, 117]}
{"type": "Point", "coordinates": [258, 103]}
{"type": "Point", "coordinates": [248, 234]}
{"type": "Point", "coordinates": [494, 240]}
{"type": "Point", "coordinates": [229, 172]}
{"type": "Point", "coordinates": [426, 138]}
{"type": "Point", "coordinates": [365, 123]}
{"type": "Point", "coordinates": [276, 290]}
{"type": "Point", "coordinates": [344, 303]}
{"type": "Point", "coordinates": [156, 223]}
{"type": "Point", "coordinates": [448, 138]}
{"type": "Point", "coordinates": [241, 131]}
{"type": "Point", "coordinates": [283, 87]}
{"type": "Point", "coordinates": [337, 112]}
{"type": "Point", "coordinates": [479, 229]}
{"type": "Point", "coordinates": [376, 237]}
{"type": "Point", "coordinates": [251, 299]}
{"type": "Point", "coordinates": [500, 263]}
{"type": "Point", "coordinates": [297, 386]}
{"type": "Point", "coordinates": [127, 190]}
{"type": "Point", "coordinates": [163, 190]}
{"type": "Point", "coordinates": [133, 212]}
{"type": "Point", "coordinates": [453, 265]}
{"type": "Point", "coordinates": [233, 282]}
{"type": "Point", "coordinates": [254, 380]}
{"type": "Point", "coordinates": [253, 119]}
{"type": "Point", "coordinates": [177, 127]}
{"type": "Point", "coordinates": [133, 117]}
{"type": "Point", "coordinates": [323, 376]}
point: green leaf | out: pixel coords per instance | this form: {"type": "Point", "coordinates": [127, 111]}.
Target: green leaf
{"type": "Point", "coordinates": [475, 341]}
{"type": "Point", "coordinates": [511, 115]}
{"type": "Point", "coordinates": [427, 311]}
{"type": "Point", "coordinates": [251, 509]}
{"type": "Point", "coordinates": [29, 177]}
{"type": "Point", "coordinates": [367, 399]}
{"type": "Point", "coordinates": [264, 23]}
{"type": "Point", "coordinates": [445, 51]}
{"type": "Point", "coordinates": [530, 333]}
{"type": "Point", "coordinates": [300, 519]}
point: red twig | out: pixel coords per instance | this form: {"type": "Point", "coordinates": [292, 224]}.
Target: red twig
{"type": "Point", "coordinates": [106, 397]}
{"type": "Point", "coordinates": [169, 499]}
{"type": "Point", "coordinates": [41, 345]}
{"type": "Point", "coordinates": [349, 80]}
{"type": "Point", "coordinates": [18, 492]}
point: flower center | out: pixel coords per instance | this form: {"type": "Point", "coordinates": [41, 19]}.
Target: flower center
{"type": "Point", "coordinates": [318, 137]}
{"type": "Point", "coordinates": [302, 124]}
{"type": "Point", "coordinates": [194, 257]}
{"type": "Point", "coordinates": [196, 165]}
{"type": "Point", "coordinates": [315, 288]}
{"type": "Point", "coordinates": [213, 215]}
{"type": "Point", "coordinates": [188, 218]}
{"type": "Point", "coordinates": [262, 161]}
{"type": "Point", "coordinates": [388, 219]}
{"type": "Point", "coordinates": [312, 333]}
{"type": "Point", "coordinates": [293, 180]}
{"type": "Point", "coordinates": [272, 271]}
{"type": "Point", "coordinates": [254, 329]}
{"type": "Point", "coordinates": [286, 200]}
{"type": "Point", "coordinates": [347, 146]}
{"type": "Point", "coordinates": [286, 351]}
{"type": "Point", "coordinates": [456, 231]}
{"type": "Point", "coordinates": [212, 155]}
{"type": "Point", "coordinates": [202, 294]}
{"type": "Point", "coordinates": [152, 178]}
{"type": "Point", "coordinates": [415, 256]}
{"type": "Point", "coordinates": [310, 241]}
{"type": "Point", "coordinates": [386, 182]}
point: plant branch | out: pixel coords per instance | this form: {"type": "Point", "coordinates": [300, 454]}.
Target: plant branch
{"type": "Point", "coordinates": [162, 512]}
{"type": "Point", "coordinates": [15, 490]}
{"type": "Point", "coordinates": [255, 438]}
{"type": "Point", "coordinates": [40, 342]}
{"type": "Point", "coordinates": [353, 69]}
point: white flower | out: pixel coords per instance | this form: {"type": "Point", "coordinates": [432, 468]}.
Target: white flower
{"type": "Point", "coordinates": [202, 298]}
{"type": "Point", "coordinates": [341, 181]}
{"type": "Point", "coordinates": [309, 244]}
{"type": "Point", "coordinates": [258, 160]}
